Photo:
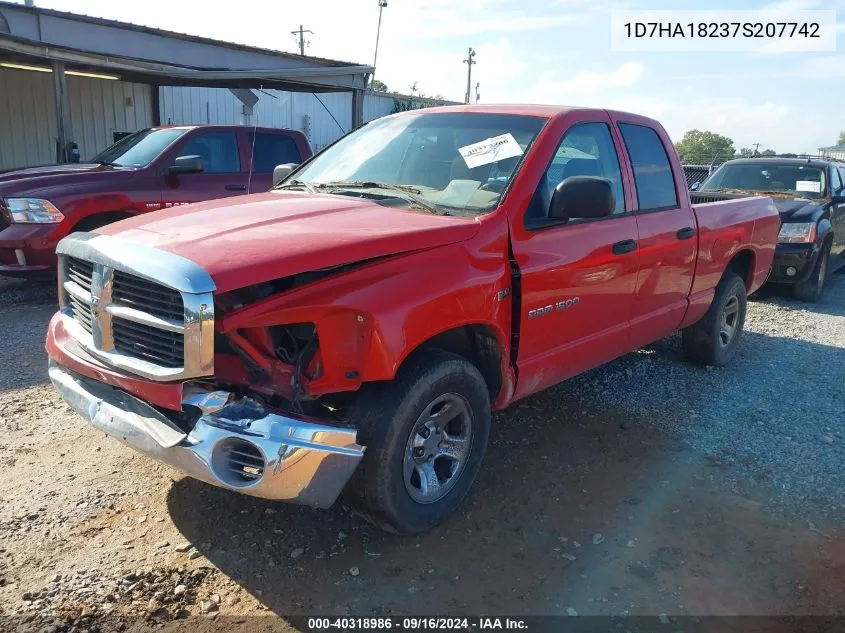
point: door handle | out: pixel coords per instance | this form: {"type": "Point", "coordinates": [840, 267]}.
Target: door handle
{"type": "Point", "coordinates": [685, 233]}
{"type": "Point", "coordinates": [625, 246]}
{"type": "Point", "coordinates": [235, 187]}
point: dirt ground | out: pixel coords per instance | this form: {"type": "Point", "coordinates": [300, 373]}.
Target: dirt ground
{"type": "Point", "coordinates": [579, 509]}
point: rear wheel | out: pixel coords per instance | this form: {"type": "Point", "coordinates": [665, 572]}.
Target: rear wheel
{"type": "Point", "coordinates": [713, 340]}
{"type": "Point", "coordinates": [813, 289]}
{"type": "Point", "coordinates": [425, 433]}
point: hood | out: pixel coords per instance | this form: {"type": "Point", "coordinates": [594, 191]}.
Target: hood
{"type": "Point", "coordinates": [252, 239]}
{"type": "Point", "coordinates": [27, 181]}
{"type": "Point", "coordinates": [797, 210]}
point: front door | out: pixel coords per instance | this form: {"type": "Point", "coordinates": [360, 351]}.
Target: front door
{"type": "Point", "coordinates": [577, 278]}
{"type": "Point", "coordinates": [222, 176]}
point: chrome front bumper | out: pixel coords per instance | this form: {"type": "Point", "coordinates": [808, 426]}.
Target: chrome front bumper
{"type": "Point", "coordinates": [289, 459]}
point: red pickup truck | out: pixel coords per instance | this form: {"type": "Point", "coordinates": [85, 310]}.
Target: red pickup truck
{"type": "Point", "coordinates": [352, 329]}
{"type": "Point", "coordinates": [151, 169]}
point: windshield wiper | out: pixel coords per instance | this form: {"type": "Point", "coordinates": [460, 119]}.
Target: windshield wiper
{"type": "Point", "coordinates": [410, 192]}
{"type": "Point", "coordinates": [366, 184]}
{"type": "Point", "coordinates": [298, 183]}
{"type": "Point", "coordinates": [105, 162]}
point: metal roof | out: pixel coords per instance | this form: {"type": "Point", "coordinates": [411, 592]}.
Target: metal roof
{"type": "Point", "coordinates": [152, 55]}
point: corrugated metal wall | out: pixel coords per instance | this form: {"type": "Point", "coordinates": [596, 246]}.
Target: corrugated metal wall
{"type": "Point", "coordinates": [27, 118]}
{"type": "Point", "coordinates": [323, 117]}
{"type": "Point", "coordinates": [98, 107]}
{"type": "Point", "coordinates": [376, 105]}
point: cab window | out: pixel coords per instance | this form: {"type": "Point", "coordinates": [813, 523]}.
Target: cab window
{"type": "Point", "coordinates": [218, 151]}
{"type": "Point", "coordinates": [652, 171]}
{"type": "Point", "coordinates": [586, 149]}
{"type": "Point", "coordinates": [835, 182]}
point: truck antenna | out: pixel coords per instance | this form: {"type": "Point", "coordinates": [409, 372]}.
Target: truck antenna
{"type": "Point", "coordinates": [252, 152]}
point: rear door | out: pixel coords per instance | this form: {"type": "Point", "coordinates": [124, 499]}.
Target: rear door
{"type": "Point", "coordinates": [224, 172]}
{"type": "Point", "coordinates": [270, 149]}
{"type": "Point", "coordinates": [666, 229]}
{"type": "Point", "coordinates": [577, 278]}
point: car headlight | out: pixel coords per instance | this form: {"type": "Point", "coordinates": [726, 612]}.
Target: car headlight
{"type": "Point", "coordinates": [33, 210]}
{"type": "Point", "coordinates": [797, 233]}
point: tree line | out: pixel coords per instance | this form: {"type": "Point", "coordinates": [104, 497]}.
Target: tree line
{"type": "Point", "coordinates": [704, 147]}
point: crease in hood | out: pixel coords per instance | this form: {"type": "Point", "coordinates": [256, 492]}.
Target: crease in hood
{"type": "Point", "coordinates": [252, 239]}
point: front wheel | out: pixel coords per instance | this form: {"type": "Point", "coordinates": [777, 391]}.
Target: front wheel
{"type": "Point", "coordinates": [812, 289]}
{"type": "Point", "coordinates": [425, 433]}
{"type": "Point", "coordinates": [713, 340]}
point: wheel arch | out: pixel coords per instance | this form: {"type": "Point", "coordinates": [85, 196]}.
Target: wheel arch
{"type": "Point", "coordinates": [743, 263]}
{"type": "Point", "coordinates": [100, 218]}
{"type": "Point", "coordinates": [477, 342]}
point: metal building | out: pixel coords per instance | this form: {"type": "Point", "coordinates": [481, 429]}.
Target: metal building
{"type": "Point", "coordinates": [67, 78]}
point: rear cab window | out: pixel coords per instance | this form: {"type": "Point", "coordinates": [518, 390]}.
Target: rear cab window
{"type": "Point", "coordinates": [652, 170]}
{"type": "Point", "coordinates": [271, 150]}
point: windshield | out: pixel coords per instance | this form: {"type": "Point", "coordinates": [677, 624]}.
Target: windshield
{"type": "Point", "coordinates": [138, 149]}
{"type": "Point", "coordinates": [447, 162]}
{"type": "Point", "coordinates": [801, 181]}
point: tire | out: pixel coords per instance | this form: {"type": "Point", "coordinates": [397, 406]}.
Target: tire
{"type": "Point", "coordinates": [390, 487]}
{"type": "Point", "coordinates": [714, 339]}
{"type": "Point", "coordinates": [813, 289]}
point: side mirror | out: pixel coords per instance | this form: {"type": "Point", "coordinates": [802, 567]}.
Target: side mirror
{"type": "Point", "coordinates": [580, 197]}
{"type": "Point", "coordinates": [695, 186]}
{"type": "Point", "coordinates": [283, 171]}
{"type": "Point", "coordinates": [186, 165]}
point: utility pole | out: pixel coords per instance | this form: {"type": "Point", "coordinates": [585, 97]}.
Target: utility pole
{"type": "Point", "coordinates": [756, 147]}
{"type": "Point", "coordinates": [301, 34]}
{"type": "Point", "coordinates": [469, 61]}
{"type": "Point", "coordinates": [381, 5]}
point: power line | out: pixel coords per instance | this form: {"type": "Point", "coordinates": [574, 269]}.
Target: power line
{"type": "Point", "coordinates": [301, 35]}
{"type": "Point", "coordinates": [469, 61]}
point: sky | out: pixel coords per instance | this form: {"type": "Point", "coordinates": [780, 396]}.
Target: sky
{"type": "Point", "coordinates": [542, 51]}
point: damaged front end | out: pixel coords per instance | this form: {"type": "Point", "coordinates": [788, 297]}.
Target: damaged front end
{"type": "Point", "coordinates": [140, 349]}
{"type": "Point", "coordinates": [234, 443]}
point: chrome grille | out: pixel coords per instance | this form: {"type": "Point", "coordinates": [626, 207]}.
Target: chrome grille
{"type": "Point", "coordinates": [137, 308]}
{"type": "Point", "coordinates": [147, 296]}
{"type": "Point", "coordinates": [142, 341]}
{"type": "Point", "coordinates": [80, 273]}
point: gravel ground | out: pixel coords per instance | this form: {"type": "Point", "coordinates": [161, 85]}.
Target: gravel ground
{"type": "Point", "coordinates": [646, 487]}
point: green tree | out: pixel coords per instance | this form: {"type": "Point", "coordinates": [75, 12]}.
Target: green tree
{"type": "Point", "coordinates": [768, 152]}
{"type": "Point", "coordinates": [702, 147]}
{"type": "Point", "coordinates": [841, 138]}
{"type": "Point", "coordinates": [378, 86]}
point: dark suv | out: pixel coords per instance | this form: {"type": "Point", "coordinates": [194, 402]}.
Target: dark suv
{"type": "Point", "coordinates": [810, 196]}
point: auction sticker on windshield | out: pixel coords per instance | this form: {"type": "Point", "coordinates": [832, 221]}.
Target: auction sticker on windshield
{"type": "Point", "coordinates": [813, 186]}
{"type": "Point", "coordinates": [490, 150]}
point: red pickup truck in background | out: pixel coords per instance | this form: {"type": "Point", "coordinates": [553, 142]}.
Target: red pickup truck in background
{"type": "Point", "coordinates": [151, 169]}
{"type": "Point", "coordinates": [352, 329]}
